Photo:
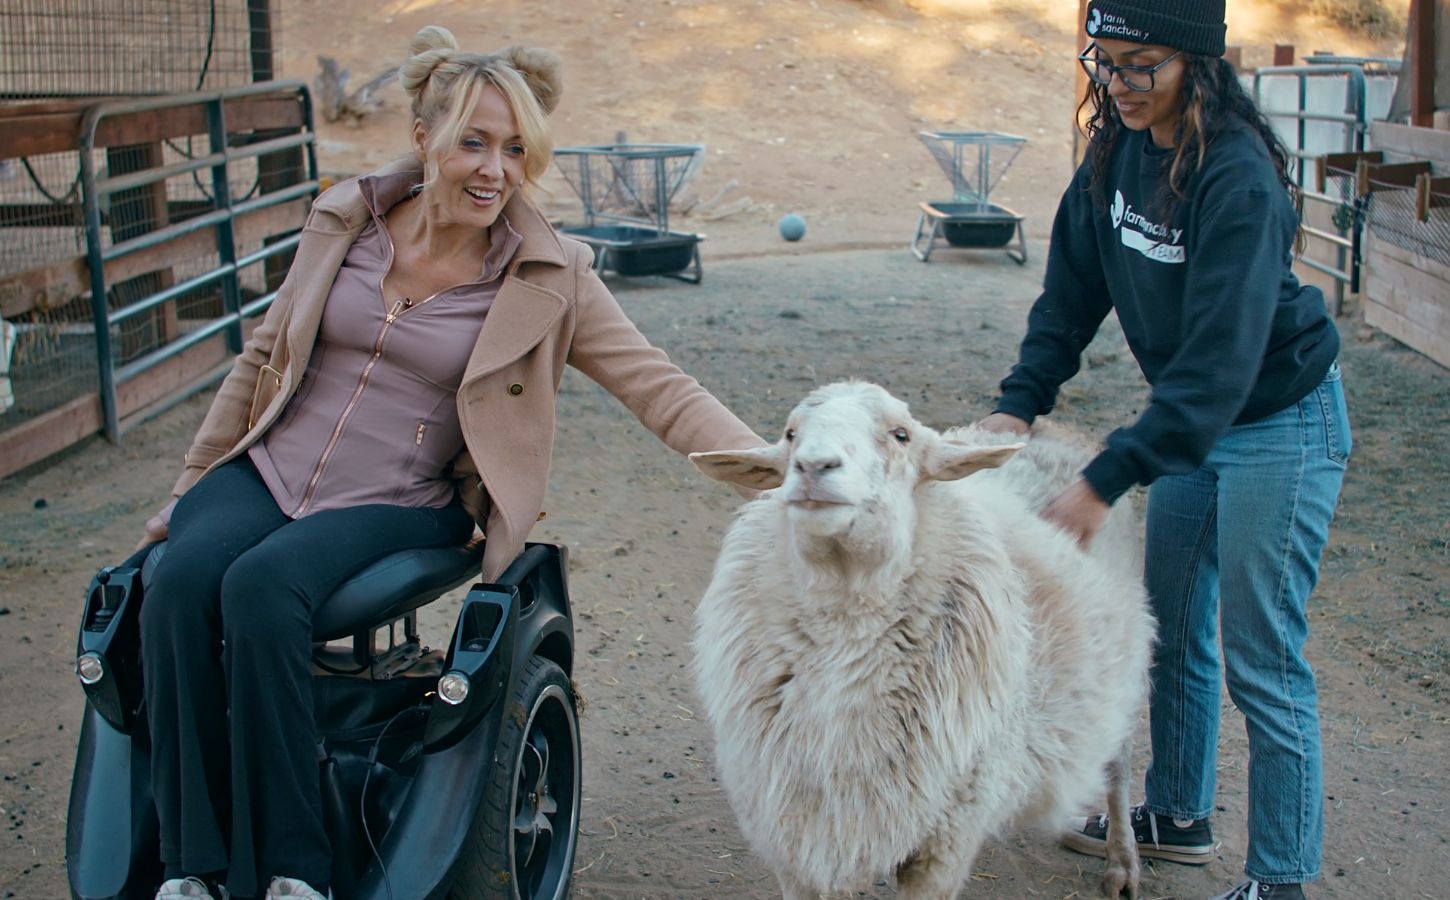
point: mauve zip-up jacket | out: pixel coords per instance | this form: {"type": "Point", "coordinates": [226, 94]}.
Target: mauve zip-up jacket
{"type": "Point", "coordinates": [375, 419]}
{"type": "Point", "coordinates": [550, 311]}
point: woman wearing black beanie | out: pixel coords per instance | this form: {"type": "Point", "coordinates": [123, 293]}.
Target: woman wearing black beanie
{"type": "Point", "coordinates": [1183, 219]}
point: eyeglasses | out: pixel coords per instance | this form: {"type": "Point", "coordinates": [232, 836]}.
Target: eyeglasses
{"type": "Point", "coordinates": [1135, 78]}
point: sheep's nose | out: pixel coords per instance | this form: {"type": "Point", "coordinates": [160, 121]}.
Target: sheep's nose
{"type": "Point", "coordinates": [817, 466]}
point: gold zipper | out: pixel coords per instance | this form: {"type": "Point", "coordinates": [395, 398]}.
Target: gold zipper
{"type": "Point", "coordinates": [399, 307]}
{"type": "Point", "coordinates": [418, 441]}
{"type": "Point", "coordinates": [362, 383]}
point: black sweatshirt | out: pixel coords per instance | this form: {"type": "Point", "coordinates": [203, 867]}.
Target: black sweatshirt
{"type": "Point", "coordinates": [1222, 329]}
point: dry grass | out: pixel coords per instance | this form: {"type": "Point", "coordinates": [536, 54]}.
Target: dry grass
{"type": "Point", "coordinates": [1377, 18]}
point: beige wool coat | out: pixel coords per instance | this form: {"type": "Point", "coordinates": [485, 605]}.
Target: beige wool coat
{"type": "Point", "coordinates": [551, 309]}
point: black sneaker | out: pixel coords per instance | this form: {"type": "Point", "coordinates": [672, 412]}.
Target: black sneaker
{"type": "Point", "coordinates": [1189, 842]}
{"type": "Point", "coordinates": [1254, 890]}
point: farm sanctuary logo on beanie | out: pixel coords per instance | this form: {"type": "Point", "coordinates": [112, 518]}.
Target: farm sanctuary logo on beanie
{"type": "Point", "coordinates": [1194, 26]}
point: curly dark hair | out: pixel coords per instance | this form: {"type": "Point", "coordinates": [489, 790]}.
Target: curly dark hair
{"type": "Point", "coordinates": [1214, 101]}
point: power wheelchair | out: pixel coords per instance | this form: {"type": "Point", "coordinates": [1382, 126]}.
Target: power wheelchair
{"type": "Point", "coordinates": [445, 773]}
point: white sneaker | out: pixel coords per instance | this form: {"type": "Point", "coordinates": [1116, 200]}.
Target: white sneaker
{"type": "Point", "coordinates": [294, 889]}
{"type": "Point", "coordinates": [189, 888]}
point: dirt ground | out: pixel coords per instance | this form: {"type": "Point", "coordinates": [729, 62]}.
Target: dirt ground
{"type": "Point", "coordinates": [643, 529]}
{"type": "Point", "coordinates": [770, 322]}
{"type": "Point", "coordinates": [811, 106]}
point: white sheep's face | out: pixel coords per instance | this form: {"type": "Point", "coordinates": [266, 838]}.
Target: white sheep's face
{"type": "Point", "coordinates": [851, 453]}
{"type": "Point", "coordinates": [848, 446]}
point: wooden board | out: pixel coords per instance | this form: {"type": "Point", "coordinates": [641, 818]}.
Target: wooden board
{"type": "Point", "coordinates": [1408, 297]}
{"type": "Point", "coordinates": [1409, 333]}
{"type": "Point", "coordinates": [32, 441]}
{"type": "Point", "coordinates": [1331, 165]}
{"type": "Point", "coordinates": [1370, 177]}
{"type": "Point", "coordinates": [51, 131]}
{"type": "Point", "coordinates": [1431, 193]}
{"type": "Point", "coordinates": [49, 433]}
{"type": "Point", "coordinates": [1402, 142]}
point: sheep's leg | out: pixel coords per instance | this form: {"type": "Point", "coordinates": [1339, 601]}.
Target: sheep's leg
{"type": "Point", "coordinates": [1123, 868]}
{"type": "Point", "coordinates": [939, 869]}
{"type": "Point", "coordinates": [791, 889]}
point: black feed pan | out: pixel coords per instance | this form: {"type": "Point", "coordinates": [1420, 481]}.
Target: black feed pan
{"type": "Point", "coordinates": [977, 225]}
{"type": "Point", "coordinates": [633, 250]}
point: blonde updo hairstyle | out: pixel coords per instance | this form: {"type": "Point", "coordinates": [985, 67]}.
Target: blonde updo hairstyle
{"type": "Point", "coordinates": [444, 83]}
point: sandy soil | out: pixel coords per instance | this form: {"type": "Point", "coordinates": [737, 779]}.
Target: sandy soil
{"type": "Point", "coordinates": [771, 321]}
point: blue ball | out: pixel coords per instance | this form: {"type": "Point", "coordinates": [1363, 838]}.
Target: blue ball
{"type": "Point", "coordinates": [792, 227]}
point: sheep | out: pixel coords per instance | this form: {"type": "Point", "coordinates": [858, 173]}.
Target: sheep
{"type": "Point", "coordinates": [898, 663]}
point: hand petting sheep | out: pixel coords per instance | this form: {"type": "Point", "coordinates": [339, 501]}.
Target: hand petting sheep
{"type": "Point", "coordinates": [899, 661]}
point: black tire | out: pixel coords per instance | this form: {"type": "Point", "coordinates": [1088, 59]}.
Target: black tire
{"type": "Point", "coordinates": [521, 845]}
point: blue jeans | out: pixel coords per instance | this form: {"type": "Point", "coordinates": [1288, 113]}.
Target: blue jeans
{"type": "Point", "coordinates": [1239, 540]}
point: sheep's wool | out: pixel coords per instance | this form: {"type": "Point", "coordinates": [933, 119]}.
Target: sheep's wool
{"type": "Point", "coordinates": [885, 716]}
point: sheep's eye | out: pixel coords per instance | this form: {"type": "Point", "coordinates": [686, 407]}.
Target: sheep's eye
{"type": "Point", "coordinates": [790, 434]}
{"type": "Point", "coordinates": [902, 435]}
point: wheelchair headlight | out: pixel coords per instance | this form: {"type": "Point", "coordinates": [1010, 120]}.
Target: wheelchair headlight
{"type": "Point", "coordinates": [453, 688]}
{"type": "Point", "coordinates": [90, 668]}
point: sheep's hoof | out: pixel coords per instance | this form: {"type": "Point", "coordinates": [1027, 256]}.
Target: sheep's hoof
{"type": "Point", "coordinates": [1119, 879]}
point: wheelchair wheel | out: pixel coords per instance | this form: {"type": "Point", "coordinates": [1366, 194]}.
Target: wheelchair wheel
{"type": "Point", "coordinates": [521, 847]}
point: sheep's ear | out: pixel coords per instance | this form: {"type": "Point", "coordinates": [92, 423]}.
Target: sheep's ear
{"type": "Point", "coordinates": [951, 460]}
{"type": "Point", "coordinates": [760, 469]}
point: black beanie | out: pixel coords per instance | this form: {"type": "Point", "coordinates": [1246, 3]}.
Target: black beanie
{"type": "Point", "coordinates": [1194, 26]}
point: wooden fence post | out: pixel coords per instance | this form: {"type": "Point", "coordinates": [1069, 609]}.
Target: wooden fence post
{"type": "Point", "coordinates": [1422, 63]}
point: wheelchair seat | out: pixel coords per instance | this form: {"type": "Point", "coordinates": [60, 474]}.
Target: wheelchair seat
{"type": "Point", "coordinates": [395, 585]}
{"type": "Point", "coordinates": [383, 591]}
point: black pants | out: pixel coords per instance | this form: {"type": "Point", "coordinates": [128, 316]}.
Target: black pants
{"type": "Point", "coordinates": [226, 641]}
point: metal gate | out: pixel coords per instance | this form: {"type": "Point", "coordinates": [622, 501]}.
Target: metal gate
{"type": "Point", "coordinates": [219, 163]}
{"type": "Point", "coordinates": [1318, 108]}
{"type": "Point", "coordinates": [176, 230]}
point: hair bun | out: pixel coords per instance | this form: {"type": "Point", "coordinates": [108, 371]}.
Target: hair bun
{"type": "Point", "coordinates": [432, 46]}
{"type": "Point", "coordinates": [432, 37]}
{"type": "Point", "coordinates": [540, 69]}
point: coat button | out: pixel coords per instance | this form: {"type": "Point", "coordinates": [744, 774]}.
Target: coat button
{"type": "Point", "coordinates": [516, 389]}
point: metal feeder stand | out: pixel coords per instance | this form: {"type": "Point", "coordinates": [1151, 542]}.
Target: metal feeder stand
{"type": "Point", "coordinates": [626, 191]}
{"type": "Point", "coordinates": [969, 219]}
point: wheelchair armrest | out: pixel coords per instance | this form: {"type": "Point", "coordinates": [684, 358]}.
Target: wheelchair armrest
{"type": "Point", "coordinates": [523, 564]}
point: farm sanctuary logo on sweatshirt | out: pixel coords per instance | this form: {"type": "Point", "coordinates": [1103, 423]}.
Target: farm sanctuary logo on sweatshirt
{"type": "Point", "coordinates": [1155, 241]}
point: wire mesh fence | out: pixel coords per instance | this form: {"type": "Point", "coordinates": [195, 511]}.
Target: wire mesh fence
{"type": "Point", "coordinates": [1395, 217]}
{"type": "Point", "coordinates": [60, 58]}
{"type": "Point", "coordinates": [52, 347]}
{"type": "Point", "coordinates": [59, 61]}
{"type": "Point", "coordinates": [87, 48]}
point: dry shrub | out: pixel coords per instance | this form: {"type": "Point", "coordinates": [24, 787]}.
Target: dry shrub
{"type": "Point", "coordinates": [1376, 18]}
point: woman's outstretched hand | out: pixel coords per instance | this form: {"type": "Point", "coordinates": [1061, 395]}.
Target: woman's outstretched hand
{"type": "Point", "coordinates": [1003, 423]}
{"type": "Point", "coordinates": [1079, 511]}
